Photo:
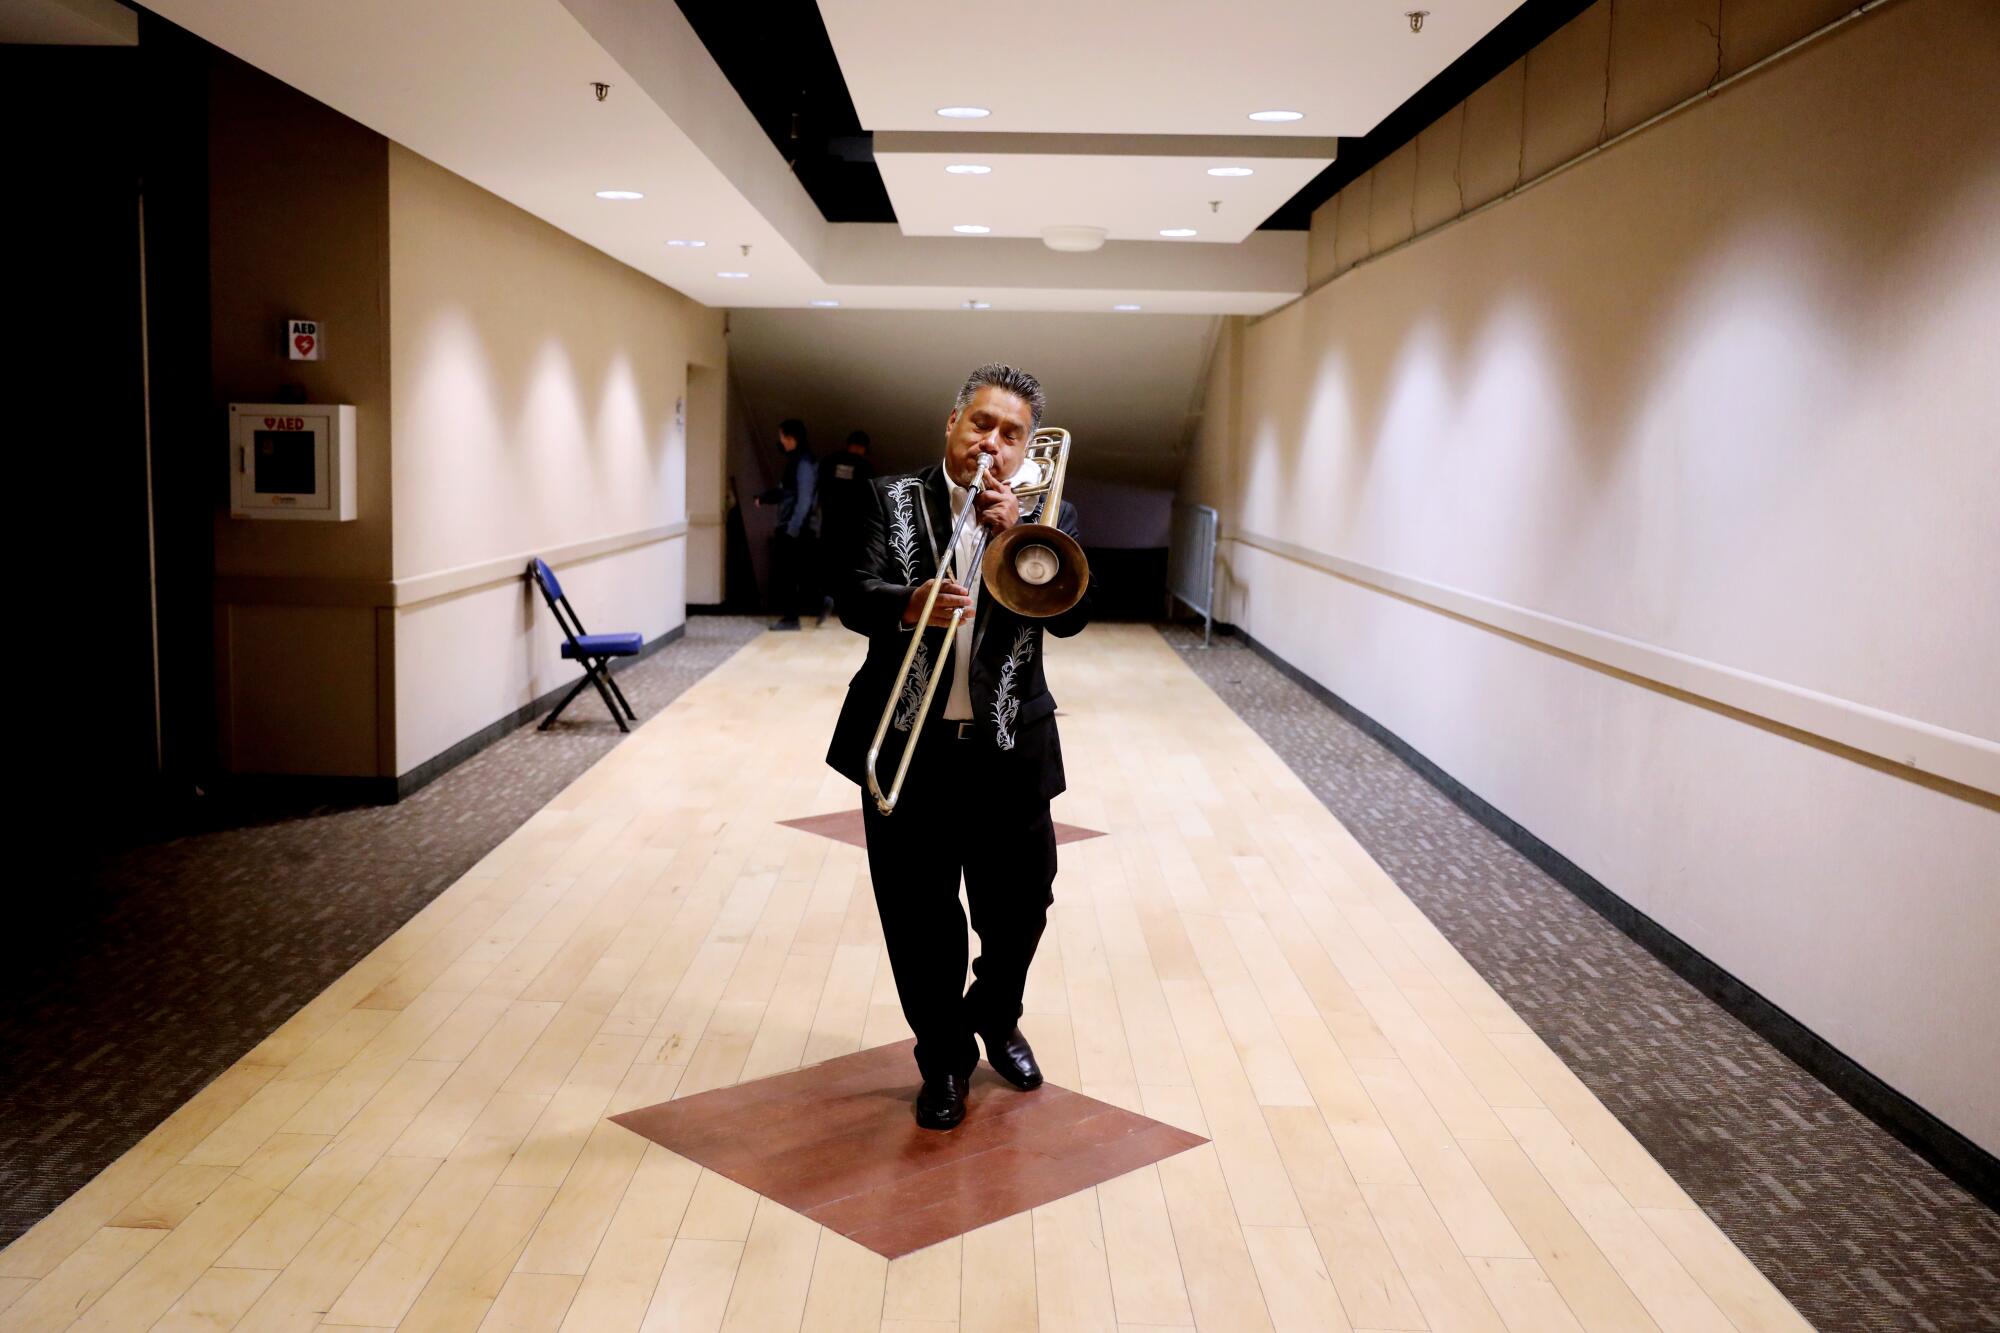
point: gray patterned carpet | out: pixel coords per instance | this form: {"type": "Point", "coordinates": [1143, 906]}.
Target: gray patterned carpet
{"type": "Point", "coordinates": [168, 961]}
{"type": "Point", "coordinates": [1856, 1230]}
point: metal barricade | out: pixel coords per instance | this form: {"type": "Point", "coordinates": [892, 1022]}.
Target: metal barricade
{"type": "Point", "coordinates": [1191, 563]}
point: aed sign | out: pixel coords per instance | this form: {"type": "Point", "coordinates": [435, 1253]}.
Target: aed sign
{"type": "Point", "coordinates": [302, 340]}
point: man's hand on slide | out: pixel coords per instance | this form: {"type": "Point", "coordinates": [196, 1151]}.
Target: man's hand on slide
{"type": "Point", "coordinates": [950, 598]}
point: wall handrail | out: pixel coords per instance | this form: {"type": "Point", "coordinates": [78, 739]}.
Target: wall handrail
{"type": "Point", "coordinates": [1966, 765]}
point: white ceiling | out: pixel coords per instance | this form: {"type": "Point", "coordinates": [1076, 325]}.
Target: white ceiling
{"type": "Point", "coordinates": [499, 92]}
{"type": "Point", "coordinates": [1132, 198]}
{"type": "Point", "coordinates": [1156, 67]}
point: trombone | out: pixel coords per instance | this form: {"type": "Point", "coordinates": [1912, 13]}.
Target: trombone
{"type": "Point", "coordinates": [1033, 569]}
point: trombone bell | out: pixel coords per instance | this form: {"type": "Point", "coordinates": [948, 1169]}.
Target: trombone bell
{"type": "Point", "coordinates": [1035, 570]}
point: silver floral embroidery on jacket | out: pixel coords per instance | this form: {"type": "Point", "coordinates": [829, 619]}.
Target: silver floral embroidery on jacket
{"type": "Point", "coordinates": [1005, 706]}
{"type": "Point", "coordinates": [913, 689]}
{"type": "Point", "coordinates": [903, 529]}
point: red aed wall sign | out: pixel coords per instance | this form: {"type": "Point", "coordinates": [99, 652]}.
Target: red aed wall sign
{"type": "Point", "coordinates": [302, 340]}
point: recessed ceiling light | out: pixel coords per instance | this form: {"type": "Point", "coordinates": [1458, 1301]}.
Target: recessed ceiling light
{"type": "Point", "coordinates": [730, 273]}
{"type": "Point", "coordinates": [1231, 171]}
{"type": "Point", "coordinates": [691, 245]}
{"type": "Point", "coordinates": [1274, 116]}
{"type": "Point", "coordinates": [968, 169]}
{"type": "Point", "coordinates": [824, 305]}
{"type": "Point", "coordinates": [964, 112]}
{"type": "Point", "coordinates": [978, 305]}
{"type": "Point", "coordinates": [619, 194]}
{"type": "Point", "coordinates": [1126, 307]}
{"type": "Point", "coordinates": [971, 229]}
{"type": "Point", "coordinates": [1177, 231]}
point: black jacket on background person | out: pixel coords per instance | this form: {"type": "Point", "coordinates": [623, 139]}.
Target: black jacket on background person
{"type": "Point", "coordinates": [843, 493]}
{"type": "Point", "coordinates": [901, 526]}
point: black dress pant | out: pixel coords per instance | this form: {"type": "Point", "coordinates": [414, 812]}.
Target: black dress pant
{"type": "Point", "coordinates": [957, 817]}
{"type": "Point", "coordinates": [789, 557]}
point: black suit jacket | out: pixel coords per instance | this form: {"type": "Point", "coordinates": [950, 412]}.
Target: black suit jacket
{"type": "Point", "coordinates": [901, 526]}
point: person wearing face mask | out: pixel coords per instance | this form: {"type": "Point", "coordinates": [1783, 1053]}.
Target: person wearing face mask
{"type": "Point", "coordinates": [988, 760]}
{"type": "Point", "coordinates": [794, 496]}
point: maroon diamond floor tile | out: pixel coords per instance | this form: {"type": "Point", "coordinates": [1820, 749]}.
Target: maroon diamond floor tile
{"type": "Point", "coordinates": [838, 1142]}
{"type": "Point", "coordinates": [845, 826]}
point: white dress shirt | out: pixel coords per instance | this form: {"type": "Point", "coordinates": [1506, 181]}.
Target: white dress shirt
{"type": "Point", "coordinates": [958, 703]}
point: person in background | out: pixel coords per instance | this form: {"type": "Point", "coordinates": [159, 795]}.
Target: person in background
{"type": "Point", "coordinates": [843, 486]}
{"type": "Point", "coordinates": [794, 496]}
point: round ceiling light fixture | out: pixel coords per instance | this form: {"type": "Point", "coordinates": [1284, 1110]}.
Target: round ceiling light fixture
{"type": "Point", "coordinates": [1074, 240]}
{"type": "Point", "coordinates": [968, 169]}
{"type": "Point", "coordinates": [1231, 171]}
{"type": "Point", "coordinates": [730, 273]}
{"type": "Point", "coordinates": [687, 245]}
{"type": "Point", "coordinates": [1127, 306]}
{"type": "Point", "coordinates": [823, 304]}
{"type": "Point", "coordinates": [964, 112]}
{"type": "Point", "coordinates": [977, 305]}
{"type": "Point", "coordinates": [1177, 233]}
{"type": "Point", "coordinates": [619, 194]}
{"type": "Point", "coordinates": [971, 229]}
{"type": "Point", "coordinates": [1276, 117]}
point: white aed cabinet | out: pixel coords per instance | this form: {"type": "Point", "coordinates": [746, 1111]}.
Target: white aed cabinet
{"type": "Point", "coordinates": [292, 461]}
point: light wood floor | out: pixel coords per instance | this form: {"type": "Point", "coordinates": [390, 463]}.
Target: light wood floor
{"type": "Point", "coordinates": [424, 1145]}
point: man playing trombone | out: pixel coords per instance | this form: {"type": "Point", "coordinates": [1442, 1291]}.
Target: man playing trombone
{"type": "Point", "coordinates": [972, 795]}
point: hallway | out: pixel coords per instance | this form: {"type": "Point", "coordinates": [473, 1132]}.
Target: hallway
{"type": "Point", "coordinates": [426, 1143]}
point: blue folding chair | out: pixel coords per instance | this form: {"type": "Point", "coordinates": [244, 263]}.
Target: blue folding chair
{"type": "Point", "coordinates": [594, 651]}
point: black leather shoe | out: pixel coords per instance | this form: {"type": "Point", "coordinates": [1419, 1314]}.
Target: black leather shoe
{"type": "Point", "coordinates": [941, 1104]}
{"type": "Point", "coordinates": [1014, 1060]}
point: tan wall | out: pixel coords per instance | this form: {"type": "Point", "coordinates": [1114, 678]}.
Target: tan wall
{"type": "Point", "coordinates": [1614, 66]}
{"type": "Point", "coordinates": [1720, 400]}
{"type": "Point", "coordinates": [1210, 475]}
{"type": "Point", "coordinates": [298, 198]}
{"type": "Point", "coordinates": [707, 503]}
{"type": "Point", "coordinates": [534, 411]}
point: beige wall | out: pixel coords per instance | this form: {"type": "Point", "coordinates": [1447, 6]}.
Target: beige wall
{"type": "Point", "coordinates": [1719, 401]}
{"type": "Point", "coordinates": [535, 383]}
{"type": "Point", "coordinates": [298, 680]}
{"type": "Point", "coordinates": [707, 506]}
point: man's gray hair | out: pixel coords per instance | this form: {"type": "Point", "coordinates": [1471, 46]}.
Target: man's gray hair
{"type": "Point", "coordinates": [1017, 382]}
